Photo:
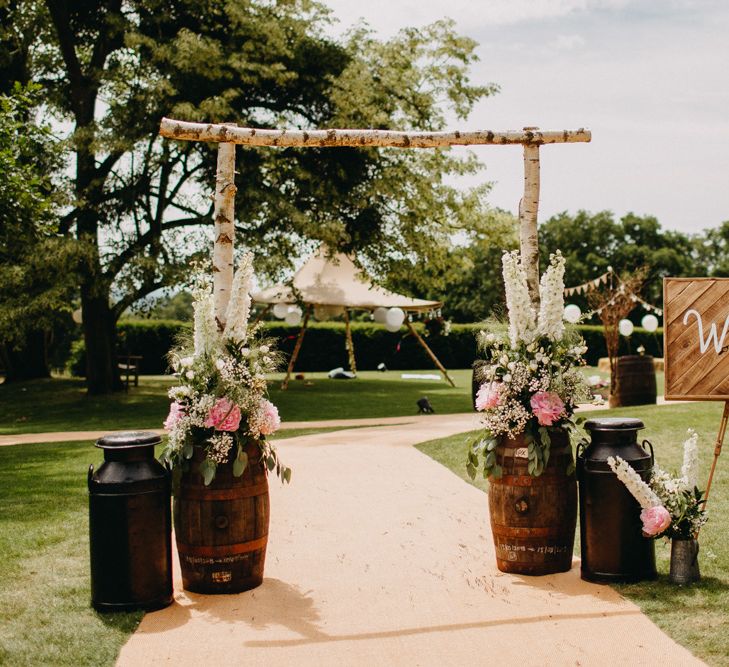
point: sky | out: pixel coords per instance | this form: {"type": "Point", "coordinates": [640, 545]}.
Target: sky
{"type": "Point", "coordinates": [650, 78]}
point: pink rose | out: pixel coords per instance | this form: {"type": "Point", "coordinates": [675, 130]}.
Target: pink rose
{"type": "Point", "coordinates": [224, 416]}
{"type": "Point", "coordinates": [269, 418]}
{"type": "Point", "coordinates": [176, 413]}
{"type": "Point", "coordinates": [488, 396]}
{"type": "Point", "coordinates": [655, 520]}
{"type": "Point", "coordinates": [547, 407]}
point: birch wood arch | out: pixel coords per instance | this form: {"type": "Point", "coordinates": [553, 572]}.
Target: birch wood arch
{"type": "Point", "coordinates": [227, 135]}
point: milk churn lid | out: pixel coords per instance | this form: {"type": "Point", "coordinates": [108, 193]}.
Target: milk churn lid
{"type": "Point", "coordinates": [614, 424]}
{"type": "Point", "coordinates": [128, 440]}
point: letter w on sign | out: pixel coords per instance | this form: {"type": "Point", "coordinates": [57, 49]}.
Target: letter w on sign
{"type": "Point", "coordinates": [696, 338]}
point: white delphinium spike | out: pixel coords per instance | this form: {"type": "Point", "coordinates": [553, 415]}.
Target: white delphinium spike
{"type": "Point", "coordinates": [633, 482]}
{"type": "Point", "coordinates": [239, 308]}
{"type": "Point", "coordinates": [206, 330]}
{"type": "Point", "coordinates": [551, 294]}
{"type": "Point", "coordinates": [522, 323]}
{"type": "Point", "coordinates": [690, 467]}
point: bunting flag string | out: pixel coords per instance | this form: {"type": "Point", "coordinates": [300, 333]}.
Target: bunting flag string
{"type": "Point", "coordinates": [604, 279]}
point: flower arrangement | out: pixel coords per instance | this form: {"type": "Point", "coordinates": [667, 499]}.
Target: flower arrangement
{"type": "Point", "coordinates": [221, 403]}
{"type": "Point", "coordinates": [531, 372]}
{"type": "Point", "coordinates": [671, 506]}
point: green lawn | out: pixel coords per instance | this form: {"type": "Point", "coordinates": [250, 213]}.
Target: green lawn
{"type": "Point", "coordinates": [61, 404]}
{"type": "Point", "coordinates": [45, 612]}
{"type": "Point", "coordinates": [695, 616]}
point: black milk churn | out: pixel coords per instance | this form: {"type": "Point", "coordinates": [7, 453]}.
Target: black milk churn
{"type": "Point", "coordinates": [130, 525]}
{"type": "Point", "coordinates": [612, 543]}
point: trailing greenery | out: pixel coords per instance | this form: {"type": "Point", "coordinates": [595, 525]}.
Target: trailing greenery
{"type": "Point", "coordinates": [694, 615]}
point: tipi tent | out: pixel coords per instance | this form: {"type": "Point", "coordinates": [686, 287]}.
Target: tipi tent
{"type": "Point", "coordinates": [333, 285]}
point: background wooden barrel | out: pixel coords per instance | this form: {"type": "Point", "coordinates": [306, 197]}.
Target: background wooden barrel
{"type": "Point", "coordinates": [222, 529]}
{"type": "Point", "coordinates": [533, 519]}
{"type": "Point", "coordinates": [636, 381]}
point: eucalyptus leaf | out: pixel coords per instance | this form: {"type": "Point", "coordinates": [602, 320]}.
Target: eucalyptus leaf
{"type": "Point", "coordinates": [187, 450]}
{"type": "Point", "coordinates": [239, 466]}
{"type": "Point", "coordinates": [286, 475]}
{"type": "Point", "coordinates": [471, 470]}
{"type": "Point", "coordinates": [497, 471]}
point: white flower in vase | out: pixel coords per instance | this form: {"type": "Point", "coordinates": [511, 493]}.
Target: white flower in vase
{"type": "Point", "coordinates": [522, 324]}
{"type": "Point", "coordinates": [551, 294]}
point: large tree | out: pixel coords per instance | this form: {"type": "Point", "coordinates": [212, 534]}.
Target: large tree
{"type": "Point", "coordinates": [36, 285]}
{"type": "Point", "coordinates": [114, 68]}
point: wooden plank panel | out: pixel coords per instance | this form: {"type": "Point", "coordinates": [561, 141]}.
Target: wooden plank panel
{"type": "Point", "coordinates": [695, 369]}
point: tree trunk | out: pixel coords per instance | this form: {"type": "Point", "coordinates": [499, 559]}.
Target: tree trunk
{"type": "Point", "coordinates": [30, 362]}
{"type": "Point", "coordinates": [99, 324]}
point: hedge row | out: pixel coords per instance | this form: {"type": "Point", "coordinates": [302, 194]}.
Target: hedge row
{"type": "Point", "coordinates": [323, 347]}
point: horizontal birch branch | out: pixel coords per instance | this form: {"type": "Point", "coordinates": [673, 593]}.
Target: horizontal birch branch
{"type": "Point", "coordinates": [185, 131]}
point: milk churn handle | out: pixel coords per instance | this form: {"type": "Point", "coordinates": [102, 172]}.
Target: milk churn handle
{"type": "Point", "coordinates": [650, 445]}
{"type": "Point", "coordinates": [581, 445]}
{"type": "Point", "coordinates": [90, 475]}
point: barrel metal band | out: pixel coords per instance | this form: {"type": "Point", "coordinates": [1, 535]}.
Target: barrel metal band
{"type": "Point", "coordinates": [201, 493]}
{"type": "Point", "coordinates": [223, 549]}
{"type": "Point", "coordinates": [528, 480]}
{"type": "Point", "coordinates": [514, 531]}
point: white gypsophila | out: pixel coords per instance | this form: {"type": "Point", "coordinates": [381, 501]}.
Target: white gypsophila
{"type": "Point", "coordinates": [180, 392]}
{"type": "Point", "coordinates": [551, 295]}
{"type": "Point", "coordinates": [219, 449]}
{"type": "Point", "coordinates": [521, 314]}
{"type": "Point", "coordinates": [206, 330]}
{"type": "Point", "coordinates": [690, 467]}
{"type": "Point", "coordinates": [239, 307]}
{"type": "Point", "coordinates": [643, 493]}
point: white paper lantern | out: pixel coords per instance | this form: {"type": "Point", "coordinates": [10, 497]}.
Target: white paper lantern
{"type": "Point", "coordinates": [572, 313]}
{"type": "Point", "coordinates": [392, 327]}
{"type": "Point", "coordinates": [625, 327]}
{"type": "Point", "coordinates": [650, 323]}
{"type": "Point", "coordinates": [77, 316]}
{"type": "Point", "coordinates": [395, 317]}
{"type": "Point", "coordinates": [380, 315]}
{"type": "Point", "coordinates": [292, 318]}
{"type": "Point", "coordinates": [280, 310]}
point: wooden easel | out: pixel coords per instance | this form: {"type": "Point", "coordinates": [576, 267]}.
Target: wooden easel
{"type": "Point", "coordinates": [717, 449]}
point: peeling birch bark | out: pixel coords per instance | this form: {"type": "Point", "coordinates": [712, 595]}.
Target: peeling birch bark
{"type": "Point", "coordinates": [528, 210]}
{"type": "Point", "coordinates": [224, 230]}
{"type": "Point", "coordinates": [185, 131]}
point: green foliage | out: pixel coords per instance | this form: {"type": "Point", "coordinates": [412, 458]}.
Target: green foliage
{"type": "Point", "coordinates": [323, 346]}
{"type": "Point", "coordinates": [36, 281]}
{"type": "Point", "coordinates": [255, 63]}
{"type": "Point", "coordinates": [592, 242]}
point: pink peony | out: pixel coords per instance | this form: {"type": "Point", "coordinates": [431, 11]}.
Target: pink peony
{"type": "Point", "coordinates": [224, 416]}
{"type": "Point", "coordinates": [655, 520]}
{"type": "Point", "coordinates": [488, 396]}
{"type": "Point", "coordinates": [547, 407]}
{"type": "Point", "coordinates": [176, 413]}
{"type": "Point", "coordinates": [269, 418]}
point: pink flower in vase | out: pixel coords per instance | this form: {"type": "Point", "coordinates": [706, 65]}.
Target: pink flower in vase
{"type": "Point", "coordinates": [655, 520]}
{"type": "Point", "coordinates": [224, 416]}
{"type": "Point", "coordinates": [547, 407]}
{"type": "Point", "coordinates": [269, 418]}
{"type": "Point", "coordinates": [177, 412]}
{"type": "Point", "coordinates": [488, 396]}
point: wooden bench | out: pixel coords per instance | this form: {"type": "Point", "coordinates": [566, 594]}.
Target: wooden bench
{"type": "Point", "coordinates": [128, 367]}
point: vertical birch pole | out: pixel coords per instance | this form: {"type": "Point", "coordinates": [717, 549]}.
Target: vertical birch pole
{"type": "Point", "coordinates": [528, 210]}
{"type": "Point", "coordinates": [224, 230]}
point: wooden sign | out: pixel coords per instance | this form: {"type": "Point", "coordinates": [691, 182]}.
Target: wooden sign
{"type": "Point", "coordinates": [696, 338]}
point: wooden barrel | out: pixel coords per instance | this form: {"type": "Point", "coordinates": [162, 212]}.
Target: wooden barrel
{"type": "Point", "coordinates": [635, 382]}
{"type": "Point", "coordinates": [222, 529]}
{"type": "Point", "coordinates": [533, 519]}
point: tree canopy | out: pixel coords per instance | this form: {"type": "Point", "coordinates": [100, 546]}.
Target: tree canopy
{"type": "Point", "coordinates": [36, 264]}
{"type": "Point", "coordinates": [112, 69]}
